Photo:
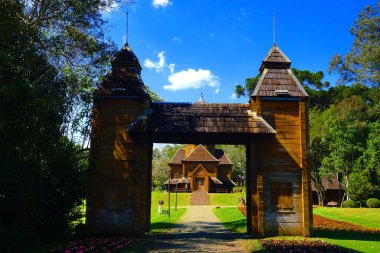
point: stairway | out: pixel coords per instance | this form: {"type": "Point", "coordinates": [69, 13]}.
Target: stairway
{"type": "Point", "coordinates": [198, 198]}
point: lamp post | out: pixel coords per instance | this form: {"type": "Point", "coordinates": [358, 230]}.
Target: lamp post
{"type": "Point", "coordinates": [176, 191]}
{"type": "Point", "coordinates": [168, 171]}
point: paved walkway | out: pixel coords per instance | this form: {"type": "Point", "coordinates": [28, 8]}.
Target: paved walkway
{"type": "Point", "coordinates": [199, 230]}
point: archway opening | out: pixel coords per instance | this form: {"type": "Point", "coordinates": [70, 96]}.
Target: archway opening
{"type": "Point", "coordinates": [190, 180]}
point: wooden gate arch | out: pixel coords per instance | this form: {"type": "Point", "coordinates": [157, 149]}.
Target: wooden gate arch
{"type": "Point", "coordinates": [272, 125]}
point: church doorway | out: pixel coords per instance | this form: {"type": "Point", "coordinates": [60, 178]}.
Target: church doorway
{"type": "Point", "coordinates": [200, 184]}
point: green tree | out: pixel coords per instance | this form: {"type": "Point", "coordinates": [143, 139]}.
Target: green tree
{"type": "Point", "coordinates": [160, 160]}
{"type": "Point", "coordinates": [237, 155]}
{"type": "Point", "coordinates": [153, 95]}
{"type": "Point", "coordinates": [348, 132]}
{"type": "Point", "coordinates": [360, 187]}
{"type": "Point", "coordinates": [362, 63]}
{"type": "Point", "coordinates": [248, 88]}
{"type": "Point", "coordinates": [42, 173]}
{"type": "Point", "coordinates": [71, 34]}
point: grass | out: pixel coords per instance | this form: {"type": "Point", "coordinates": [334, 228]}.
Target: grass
{"type": "Point", "coordinates": [232, 219]}
{"type": "Point", "coordinates": [361, 242]}
{"type": "Point", "coordinates": [160, 222]}
{"type": "Point", "coordinates": [367, 217]}
{"type": "Point", "coordinates": [225, 199]}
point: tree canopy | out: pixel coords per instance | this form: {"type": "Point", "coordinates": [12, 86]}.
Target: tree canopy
{"type": "Point", "coordinates": [362, 63]}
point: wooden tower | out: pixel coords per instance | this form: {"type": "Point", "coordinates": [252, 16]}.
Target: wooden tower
{"type": "Point", "coordinates": [119, 163]}
{"type": "Point", "coordinates": [281, 200]}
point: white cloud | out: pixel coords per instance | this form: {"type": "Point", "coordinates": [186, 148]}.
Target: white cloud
{"type": "Point", "coordinates": [171, 67]}
{"type": "Point", "coordinates": [160, 3]}
{"type": "Point", "coordinates": [234, 96]}
{"type": "Point", "coordinates": [176, 39]}
{"type": "Point", "coordinates": [157, 66]}
{"type": "Point", "coordinates": [160, 65]}
{"type": "Point", "coordinates": [192, 79]}
{"type": "Point", "coordinates": [217, 90]}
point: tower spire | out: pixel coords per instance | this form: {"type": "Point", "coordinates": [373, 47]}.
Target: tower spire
{"type": "Point", "coordinates": [274, 28]}
{"type": "Point", "coordinates": [126, 26]}
{"type": "Point", "coordinates": [201, 99]}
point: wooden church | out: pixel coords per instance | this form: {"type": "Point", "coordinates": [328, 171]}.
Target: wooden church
{"type": "Point", "coordinates": [200, 168]}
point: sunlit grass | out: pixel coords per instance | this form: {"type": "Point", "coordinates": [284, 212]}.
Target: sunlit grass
{"type": "Point", "coordinates": [225, 199]}
{"type": "Point", "coordinates": [367, 217]}
{"type": "Point", "coordinates": [232, 219]}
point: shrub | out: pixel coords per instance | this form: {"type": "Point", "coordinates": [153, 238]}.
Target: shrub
{"type": "Point", "coordinates": [373, 203]}
{"type": "Point", "coordinates": [349, 204]}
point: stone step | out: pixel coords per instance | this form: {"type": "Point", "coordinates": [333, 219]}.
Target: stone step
{"type": "Point", "coordinates": [199, 198]}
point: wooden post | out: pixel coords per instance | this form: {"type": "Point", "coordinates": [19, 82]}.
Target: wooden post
{"type": "Point", "coordinates": [256, 189]}
{"type": "Point", "coordinates": [120, 172]}
{"type": "Point", "coordinates": [306, 175]}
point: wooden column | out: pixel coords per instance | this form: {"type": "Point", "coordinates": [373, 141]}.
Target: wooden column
{"type": "Point", "coordinates": [120, 175]}
{"type": "Point", "coordinates": [306, 175]}
{"type": "Point", "coordinates": [256, 189]}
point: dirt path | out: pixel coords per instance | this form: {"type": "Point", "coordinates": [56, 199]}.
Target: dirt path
{"type": "Point", "coordinates": [199, 230]}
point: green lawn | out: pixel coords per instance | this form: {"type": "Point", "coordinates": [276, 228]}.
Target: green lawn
{"type": "Point", "coordinates": [161, 222]}
{"type": "Point", "coordinates": [225, 199]}
{"type": "Point", "coordinates": [232, 219]}
{"type": "Point", "coordinates": [367, 217]}
{"type": "Point", "coordinates": [362, 242]}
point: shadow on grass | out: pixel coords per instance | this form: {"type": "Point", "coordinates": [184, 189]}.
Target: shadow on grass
{"type": "Point", "coordinates": [184, 237]}
{"type": "Point", "coordinates": [237, 226]}
{"type": "Point", "coordinates": [346, 235]}
{"type": "Point", "coordinates": [159, 226]}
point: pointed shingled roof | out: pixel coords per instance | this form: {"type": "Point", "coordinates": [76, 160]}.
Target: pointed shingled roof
{"type": "Point", "coordinates": [277, 79]}
{"type": "Point", "coordinates": [200, 153]}
{"type": "Point", "coordinates": [178, 156]}
{"type": "Point", "coordinates": [124, 77]}
{"type": "Point", "coordinates": [222, 157]}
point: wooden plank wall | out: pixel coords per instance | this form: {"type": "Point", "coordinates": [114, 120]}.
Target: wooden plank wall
{"type": "Point", "coordinates": [120, 170]}
{"type": "Point", "coordinates": [280, 158]}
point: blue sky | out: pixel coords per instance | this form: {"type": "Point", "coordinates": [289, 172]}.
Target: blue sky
{"type": "Point", "coordinates": [183, 45]}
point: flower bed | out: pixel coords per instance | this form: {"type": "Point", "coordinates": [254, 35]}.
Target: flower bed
{"type": "Point", "coordinates": [295, 246]}
{"type": "Point", "coordinates": [107, 245]}
{"type": "Point", "coordinates": [323, 223]}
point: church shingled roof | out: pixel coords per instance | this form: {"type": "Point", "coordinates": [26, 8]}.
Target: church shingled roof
{"type": "Point", "coordinates": [200, 153]}
{"type": "Point", "coordinates": [222, 157]}
{"type": "Point", "coordinates": [178, 156]}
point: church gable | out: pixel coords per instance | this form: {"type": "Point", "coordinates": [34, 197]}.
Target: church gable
{"type": "Point", "coordinates": [199, 171]}
{"type": "Point", "coordinates": [200, 153]}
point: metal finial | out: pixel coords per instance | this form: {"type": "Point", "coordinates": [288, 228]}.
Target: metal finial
{"type": "Point", "coordinates": [201, 99]}
{"type": "Point", "coordinates": [126, 27]}
{"type": "Point", "coordinates": [274, 28]}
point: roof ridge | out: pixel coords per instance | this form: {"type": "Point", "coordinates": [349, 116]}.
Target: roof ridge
{"type": "Point", "coordinates": [279, 50]}
{"type": "Point", "coordinates": [201, 146]}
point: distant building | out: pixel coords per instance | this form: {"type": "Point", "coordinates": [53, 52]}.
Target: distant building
{"type": "Point", "coordinates": [200, 168]}
{"type": "Point", "coordinates": [334, 190]}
